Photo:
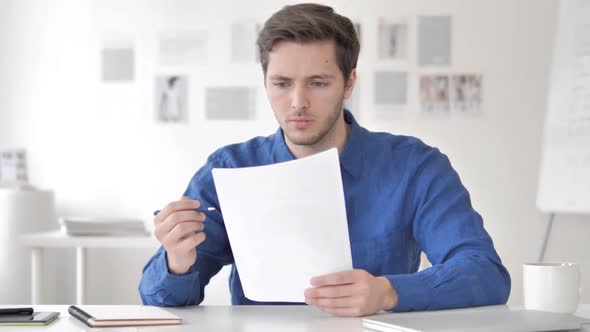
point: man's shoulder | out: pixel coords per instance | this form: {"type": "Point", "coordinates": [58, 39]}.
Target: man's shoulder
{"type": "Point", "coordinates": [253, 152]}
{"type": "Point", "coordinates": [407, 153]}
{"type": "Point", "coordinates": [398, 144]}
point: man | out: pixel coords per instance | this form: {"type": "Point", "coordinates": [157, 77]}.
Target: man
{"type": "Point", "coordinates": [402, 196]}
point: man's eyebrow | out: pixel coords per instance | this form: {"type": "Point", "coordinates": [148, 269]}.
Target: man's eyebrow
{"type": "Point", "coordinates": [323, 77]}
{"type": "Point", "coordinates": [279, 78]}
{"type": "Point", "coordinates": [318, 76]}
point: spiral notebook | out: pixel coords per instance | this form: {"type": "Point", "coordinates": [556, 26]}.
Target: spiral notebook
{"type": "Point", "coordinates": [123, 315]}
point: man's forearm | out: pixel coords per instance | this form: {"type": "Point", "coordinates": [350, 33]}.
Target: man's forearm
{"type": "Point", "coordinates": [161, 288]}
{"type": "Point", "coordinates": [464, 281]}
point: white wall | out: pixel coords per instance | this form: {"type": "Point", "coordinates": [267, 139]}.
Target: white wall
{"type": "Point", "coordinates": [99, 149]}
{"type": "Point", "coordinates": [7, 58]}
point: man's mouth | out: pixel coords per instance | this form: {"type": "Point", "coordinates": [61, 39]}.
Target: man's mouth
{"type": "Point", "coordinates": [300, 123]}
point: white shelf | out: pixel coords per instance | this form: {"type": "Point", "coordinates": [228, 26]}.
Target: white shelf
{"type": "Point", "coordinates": [59, 239]}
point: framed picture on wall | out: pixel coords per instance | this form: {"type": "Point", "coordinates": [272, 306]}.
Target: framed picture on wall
{"type": "Point", "coordinates": [230, 103]}
{"type": "Point", "coordinates": [171, 99]}
{"type": "Point", "coordinates": [434, 40]}
{"type": "Point", "coordinates": [13, 168]}
{"type": "Point", "coordinates": [393, 40]}
{"type": "Point", "coordinates": [182, 48]}
{"type": "Point", "coordinates": [466, 93]}
{"type": "Point", "coordinates": [243, 42]}
{"type": "Point", "coordinates": [434, 93]}
{"type": "Point", "coordinates": [390, 90]}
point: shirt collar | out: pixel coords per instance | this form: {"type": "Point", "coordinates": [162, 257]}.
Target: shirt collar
{"type": "Point", "coordinates": [280, 149]}
{"type": "Point", "coordinates": [350, 158]}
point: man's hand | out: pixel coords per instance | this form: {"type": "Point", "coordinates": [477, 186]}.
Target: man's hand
{"type": "Point", "coordinates": [351, 293]}
{"type": "Point", "coordinates": [175, 228]}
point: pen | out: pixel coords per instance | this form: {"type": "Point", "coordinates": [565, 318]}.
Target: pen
{"type": "Point", "coordinates": [16, 311]}
{"type": "Point", "coordinates": [208, 209]}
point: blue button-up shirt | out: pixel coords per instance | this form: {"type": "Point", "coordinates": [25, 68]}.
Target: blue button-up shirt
{"type": "Point", "coordinates": [402, 197]}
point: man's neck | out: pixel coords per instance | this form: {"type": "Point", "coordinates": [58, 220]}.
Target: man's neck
{"type": "Point", "coordinates": [336, 138]}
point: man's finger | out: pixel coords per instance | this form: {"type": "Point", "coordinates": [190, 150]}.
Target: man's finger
{"type": "Point", "coordinates": [192, 241]}
{"type": "Point", "coordinates": [338, 278]}
{"type": "Point", "coordinates": [329, 291]}
{"type": "Point", "coordinates": [181, 205]}
{"type": "Point", "coordinates": [185, 229]}
{"type": "Point", "coordinates": [181, 217]}
{"type": "Point", "coordinates": [346, 312]}
{"type": "Point", "coordinates": [338, 302]}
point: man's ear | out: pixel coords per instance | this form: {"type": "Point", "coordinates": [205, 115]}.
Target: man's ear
{"type": "Point", "coordinates": [349, 86]}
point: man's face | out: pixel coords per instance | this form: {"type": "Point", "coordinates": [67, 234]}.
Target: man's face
{"type": "Point", "coordinates": [306, 90]}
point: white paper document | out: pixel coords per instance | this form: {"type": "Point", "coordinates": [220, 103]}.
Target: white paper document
{"type": "Point", "coordinates": [286, 224]}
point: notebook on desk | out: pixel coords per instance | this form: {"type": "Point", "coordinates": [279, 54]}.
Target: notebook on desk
{"type": "Point", "coordinates": [123, 315]}
{"type": "Point", "coordinates": [80, 226]}
{"type": "Point", "coordinates": [482, 319]}
{"type": "Point", "coordinates": [34, 319]}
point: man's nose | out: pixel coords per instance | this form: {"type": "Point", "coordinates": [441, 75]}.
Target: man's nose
{"type": "Point", "coordinates": [300, 99]}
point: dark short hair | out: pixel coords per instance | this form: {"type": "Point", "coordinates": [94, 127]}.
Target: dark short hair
{"type": "Point", "coordinates": [310, 22]}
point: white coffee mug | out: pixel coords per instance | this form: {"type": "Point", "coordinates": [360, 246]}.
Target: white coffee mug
{"type": "Point", "coordinates": [553, 287]}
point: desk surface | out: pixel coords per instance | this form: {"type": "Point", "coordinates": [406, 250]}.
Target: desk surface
{"type": "Point", "coordinates": [229, 318]}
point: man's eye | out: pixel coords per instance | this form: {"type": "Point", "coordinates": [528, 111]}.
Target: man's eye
{"type": "Point", "coordinates": [318, 84]}
{"type": "Point", "coordinates": [281, 84]}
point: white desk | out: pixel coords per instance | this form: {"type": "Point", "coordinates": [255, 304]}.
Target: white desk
{"type": "Point", "coordinates": [57, 239]}
{"type": "Point", "coordinates": [230, 318]}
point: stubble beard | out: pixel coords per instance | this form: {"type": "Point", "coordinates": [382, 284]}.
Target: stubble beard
{"type": "Point", "coordinates": [315, 138]}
